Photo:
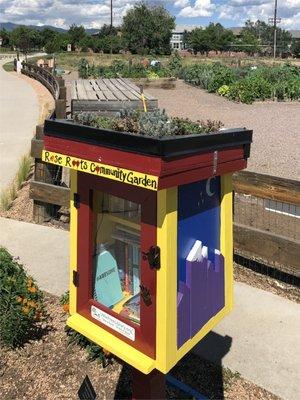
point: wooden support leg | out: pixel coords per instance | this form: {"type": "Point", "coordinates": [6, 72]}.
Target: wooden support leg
{"type": "Point", "coordinates": [152, 386]}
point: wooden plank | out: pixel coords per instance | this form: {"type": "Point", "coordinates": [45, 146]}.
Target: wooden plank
{"type": "Point", "coordinates": [98, 92]}
{"type": "Point", "coordinates": [280, 251]}
{"type": "Point", "coordinates": [134, 87]}
{"type": "Point", "coordinates": [90, 92]}
{"type": "Point", "coordinates": [115, 90]}
{"type": "Point", "coordinates": [49, 194]}
{"type": "Point", "coordinates": [134, 92]}
{"type": "Point", "coordinates": [74, 94]}
{"type": "Point", "coordinates": [267, 187]}
{"type": "Point", "coordinates": [126, 93]}
{"type": "Point", "coordinates": [81, 90]}
{"type": "Point", "coordinates": [37, 146]}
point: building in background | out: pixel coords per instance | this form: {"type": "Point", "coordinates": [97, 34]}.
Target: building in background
{"type": "Point", "coordinates": [178, 37]}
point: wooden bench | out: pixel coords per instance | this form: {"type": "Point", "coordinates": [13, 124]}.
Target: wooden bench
{"type": "Point", "coordinates": [108, 96]}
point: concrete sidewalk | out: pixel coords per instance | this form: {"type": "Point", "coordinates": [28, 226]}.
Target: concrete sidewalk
{"type": "Point", "coordinates": [19, 113]}
{"type": "Point", "coordinates": [42, 250]}
{"type": "Point", "coordinates": [260, 339]}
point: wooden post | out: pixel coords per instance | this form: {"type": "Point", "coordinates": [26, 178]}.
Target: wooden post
{"type": "Point", "coordinates": [151, 386]}
{"type": "Point", "coordinates": [60, 109]}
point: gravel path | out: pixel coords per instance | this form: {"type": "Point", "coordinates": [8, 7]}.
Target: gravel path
{"type": "Point", "coordinates": [276, 125]}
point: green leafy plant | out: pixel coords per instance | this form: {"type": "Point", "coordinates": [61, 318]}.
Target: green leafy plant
{"type": "Point", "coordinates": [154, 124]}
{"type": "Point", "coordinates": [21, 302]}
{"type": "Point", "coordinates": [224, 90]}
{"type": "Point", "coordinates": [94, 351]}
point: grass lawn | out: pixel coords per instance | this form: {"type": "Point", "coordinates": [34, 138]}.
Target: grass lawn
{"type": "Point", "coordinates": [8, 67]}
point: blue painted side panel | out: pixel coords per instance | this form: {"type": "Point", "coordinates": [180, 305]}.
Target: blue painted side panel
{"type": "Point", "coordinates": [198, 219]}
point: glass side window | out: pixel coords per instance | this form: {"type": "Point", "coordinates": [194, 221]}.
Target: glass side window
{"type": "Point", "coordinates": [116, 255]}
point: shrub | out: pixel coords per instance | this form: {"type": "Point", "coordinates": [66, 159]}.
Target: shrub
{"type": "Point", "coordinates": [21, 302]}
{"type": "Point", "coordinates": [175, 64]}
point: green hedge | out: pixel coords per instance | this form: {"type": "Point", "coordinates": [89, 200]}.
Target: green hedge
{"type": "Point", "coordinates": [21, 302]}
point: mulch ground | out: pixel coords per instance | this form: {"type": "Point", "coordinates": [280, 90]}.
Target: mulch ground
{"type": "Point", "coordinates": [46, 368]}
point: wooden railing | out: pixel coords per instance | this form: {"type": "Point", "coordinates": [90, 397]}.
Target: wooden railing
{"type": "Point", "coordinates": [44, 76]}
{"type": "Point", "coordinates": [269, 244]}
{"type": "Point", "coordinates": [45, 174]}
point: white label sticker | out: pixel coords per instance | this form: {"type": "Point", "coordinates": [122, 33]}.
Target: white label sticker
{"type": "Point", "coordinates": [113, 323]}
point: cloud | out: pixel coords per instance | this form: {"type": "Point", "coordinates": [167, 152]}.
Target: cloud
{"type": "Point", "coordinates": [238, 11]}
{"type": "Point", "coordinates": [95, 13]}
{"type": "Point", "coordinates": [201, 8]}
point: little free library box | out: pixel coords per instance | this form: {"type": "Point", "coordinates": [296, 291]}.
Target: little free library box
{"type": "Point", "coordinates": [151, 236]}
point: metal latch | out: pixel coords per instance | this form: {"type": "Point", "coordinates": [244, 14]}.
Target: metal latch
{"type": "Point", "coordinates": [215, 162]}
{"type": "Point", "coordinates": [76, 200]}
{"type": "Point", "coordinates": [75, 278]}
{"type": "Point", "coordinates": [153, 257]}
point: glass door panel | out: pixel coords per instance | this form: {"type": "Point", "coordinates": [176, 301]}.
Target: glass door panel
{"type": "Point", "coordinates": [117, 255]}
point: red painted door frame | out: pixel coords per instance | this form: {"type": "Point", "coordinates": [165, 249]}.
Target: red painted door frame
{"type": "Point", "coordinates": [145, 333]}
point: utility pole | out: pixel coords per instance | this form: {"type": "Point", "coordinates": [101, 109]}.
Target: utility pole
{"type": "Point", "coordinates": [111, 26]}
{"type": "Point", "coordinates": [111, 14]}
{"type": "Point", "coordinates": [275, 29]}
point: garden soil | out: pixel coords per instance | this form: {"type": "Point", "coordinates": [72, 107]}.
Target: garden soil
{"type": "Point", "coordinates": [46, 368]}
{"type": "Point", "coordinates": [275, 124]}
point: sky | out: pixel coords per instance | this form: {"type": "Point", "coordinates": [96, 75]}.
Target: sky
{"type": "Point", "coordinates": [94, 13]}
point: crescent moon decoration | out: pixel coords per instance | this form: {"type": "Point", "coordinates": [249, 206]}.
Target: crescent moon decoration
{"type": "Point", "coordinates": [208, 188]}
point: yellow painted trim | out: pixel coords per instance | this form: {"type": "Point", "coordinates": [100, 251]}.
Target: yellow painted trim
{"type": "Point", "coordinates": [111, 343]}
{"type": "Point", "coordinates": [73, 241]}
{"type": "Point", "coordinates": [227, 237]}
{"type": "Point", "coordinates": [166, 320]}
{"type": "Point", "coordinates": [187, 346]}
{"type": "Point", "coordinates": [114, 173]}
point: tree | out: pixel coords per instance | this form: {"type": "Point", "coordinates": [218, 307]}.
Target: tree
{"type": "Point", "coordinates": [148, 29]}
{"type": "Point", "coordinates": [198, 41]}
{"type": "Point", "coordinates": [25, 39]}
{"type": "Point", "coordinates": [76, 34]}
{"type": "Point", "coordinates": [219, 37]}
{"type": "Point", "coordinates": [47, 35]}
{"type": "Point", "coordinates": [107, 30]}
{"type": "Point", "coordinates": [4, 34]}
{"type": "Point", "coordinates": [58, 44]}
{"type": "Point", "coordinates": [295, 48]}
{"type": "Point", "coordinates": [213, 37]}
{"type": "Point", "coordinates": [248, 43]}
{"type": "Point", "coordinates": [265, 35]}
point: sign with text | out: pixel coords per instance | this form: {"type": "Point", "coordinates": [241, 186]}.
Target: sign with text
{"type": "Point", "coordinates": [103, 170]}
{"type": "Point", "coordinates": [113, 323]}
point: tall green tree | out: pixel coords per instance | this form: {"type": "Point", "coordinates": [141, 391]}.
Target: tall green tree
{"type": "Point", "coordinates": [213, 37]}
{"type": "Point", "coordinates": [248, 43]}
{"type": "Point", "coordinates": [26, 39]}
{"type": "Point", "coordinates": [148, 29]}
{"type": "Point", "coordinates": [198, 41]}
{"type": "Point", "coordinates": [5, 35]}
{"type": "Point", "coordinates": [76, 34]}
{"type": "Point", "coordinates": [265, 35]}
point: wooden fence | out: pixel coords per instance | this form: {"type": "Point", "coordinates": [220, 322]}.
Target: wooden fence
{"type": "Point", "coordinates": [46, 174]}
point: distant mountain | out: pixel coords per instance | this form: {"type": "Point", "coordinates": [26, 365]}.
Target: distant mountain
{"type": "Point", "coordinates": [10, 26]}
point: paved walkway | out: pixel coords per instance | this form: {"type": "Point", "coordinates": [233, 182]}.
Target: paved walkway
{"type": "Point", "coordinates": [19, 113]}
{"type": "Point", "coordinates": [260, 339]}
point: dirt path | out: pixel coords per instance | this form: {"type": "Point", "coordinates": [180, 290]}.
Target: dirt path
{"type": "Point", "coordinates": [276, 125]}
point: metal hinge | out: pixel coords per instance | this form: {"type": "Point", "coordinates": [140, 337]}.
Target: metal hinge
{"type": "Point", "coordinates": [75, 278]}
{"type": "Point", "coordinates": [76, 200]}
{"type": "Point", "coordinates": [146, 296]}
{"type": "Point", "coordinates": [153, 257]}
{"type": "Point", "coordinates": [215, 162]}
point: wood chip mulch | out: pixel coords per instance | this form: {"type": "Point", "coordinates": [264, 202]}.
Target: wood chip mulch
{"type": "Point", "coordinates": [46, 368]}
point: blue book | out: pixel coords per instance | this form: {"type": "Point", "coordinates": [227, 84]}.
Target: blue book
{"type": "Point", "coordinates": [108, 289]}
